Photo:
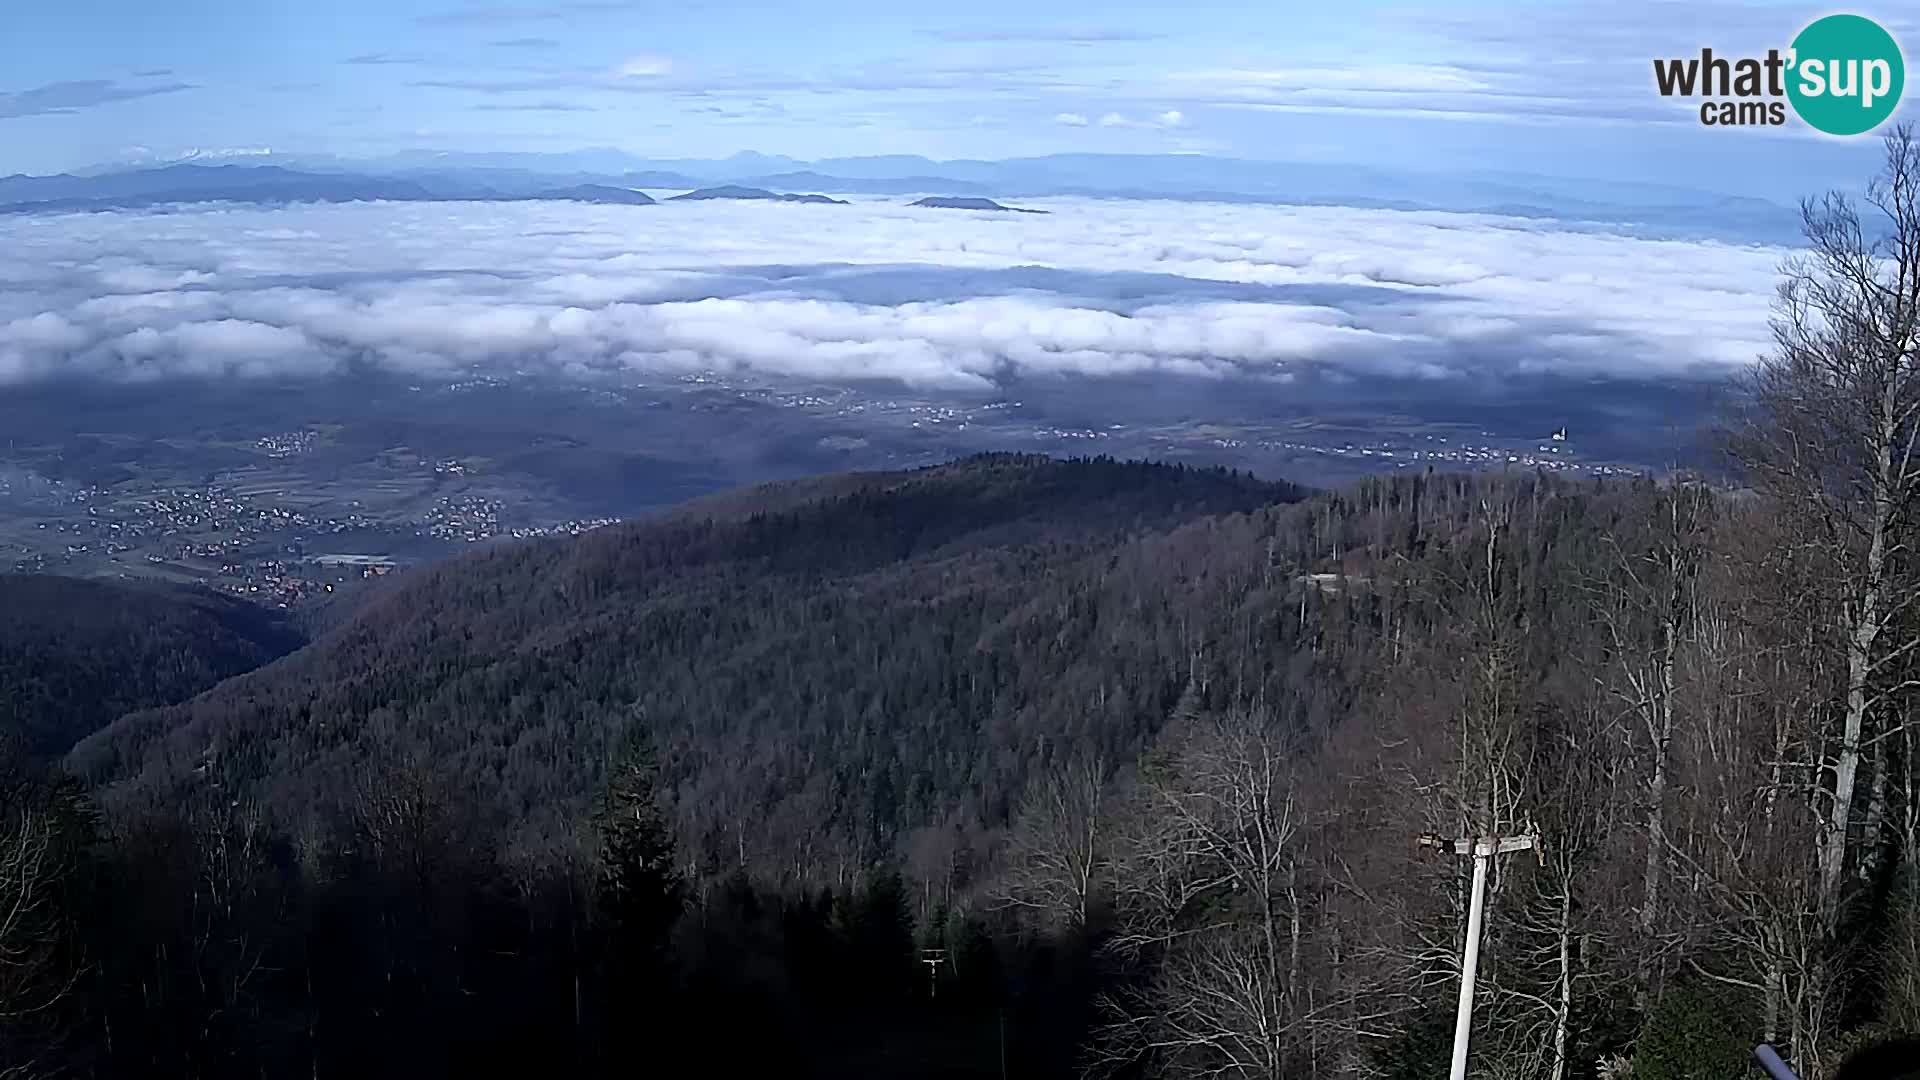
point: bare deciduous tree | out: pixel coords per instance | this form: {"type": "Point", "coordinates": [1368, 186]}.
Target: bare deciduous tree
{"type": "Point", "coordinates": [1832, 441]}
{"type": "Point", "coordinates": [32, 863]}
{"type": "Point", "coordinates": [1208, 894]}
{"type": "Point", "coordinates": [1058, 851]}
{"type": "Point", "coordinates": [1650, 608]}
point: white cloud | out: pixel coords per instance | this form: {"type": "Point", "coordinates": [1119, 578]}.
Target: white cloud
{"type": "Point", "coordinates": [1401, 78]}
{"type": "Point", "coordinates": [1070, 119]}
{"type": "Point", "coordinates": [877, 288]}
{"type": "Point", "coordinates": [646, 67]}
{"type": "Point", "coordinates": [1171, 118]}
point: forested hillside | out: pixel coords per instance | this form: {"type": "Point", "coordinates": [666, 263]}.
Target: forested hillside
{"type": "Point", "coordinates": [75, 654]}
{"type": "Point", "coordinates": [992, 739]}
{"type": "Point", "coordinates": [825, 677]}
{"type": "Point", "coordinates": [1019, 767]}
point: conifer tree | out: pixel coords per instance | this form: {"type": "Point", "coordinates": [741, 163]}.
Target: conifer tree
{"type": "Point", "coordinates": [641, 892]}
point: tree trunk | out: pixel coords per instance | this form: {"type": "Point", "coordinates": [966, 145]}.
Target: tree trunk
{"type": "Point", "coordinates": [1865, 630]}
{"type": "Point", "coordinates": [1873, 828]}
{"type": "Point", "coordinates": [1655, 871]}
{"type": "Point", "coordinates": [1774, 980]}
{"type": "Point", "coordinates": [1293, 929]}
{"type": "Point", "coordinates": [1563, 1015]}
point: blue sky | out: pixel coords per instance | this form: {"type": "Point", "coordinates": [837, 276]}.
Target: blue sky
{"type": "Point", "coordinates": [1555, 88]}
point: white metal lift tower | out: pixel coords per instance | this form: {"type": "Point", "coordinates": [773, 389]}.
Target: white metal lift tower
{"type": "Point", "coordinates": [1483, 849]}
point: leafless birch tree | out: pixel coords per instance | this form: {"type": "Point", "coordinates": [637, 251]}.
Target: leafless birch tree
{"type": "Point", "coordinates": [1059, 849]}
{"type": "Point", "coordinates": [1832, 441]}
{"type": "Point", "coordinates": [1209, 897]}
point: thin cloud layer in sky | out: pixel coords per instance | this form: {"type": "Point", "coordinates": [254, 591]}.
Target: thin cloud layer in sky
{"type": "Point", "coordinates": [1551, 86]}
{"type": "Point", "coordinates": [934, 298]}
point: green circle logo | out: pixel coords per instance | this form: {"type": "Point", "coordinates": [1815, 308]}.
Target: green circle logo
{"type": "Point", "coordinates": [1846, 74]}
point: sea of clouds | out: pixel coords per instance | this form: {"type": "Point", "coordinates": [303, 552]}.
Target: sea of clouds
{"type": "Point", "coordinates": [878, 289]}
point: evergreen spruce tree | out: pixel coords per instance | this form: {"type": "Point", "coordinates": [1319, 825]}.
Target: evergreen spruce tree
{"type": "Point", "coordinates": [641, 894]}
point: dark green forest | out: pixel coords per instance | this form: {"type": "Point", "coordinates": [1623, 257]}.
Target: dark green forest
{"type": "Point", "coordinates": [1039, 768]}
{"type": "Point", "coordinates": [77, 654]}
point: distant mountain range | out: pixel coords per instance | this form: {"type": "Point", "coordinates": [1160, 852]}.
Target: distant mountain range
{"type": "Point", "coordinates": [848, 185]}
{"type": "Point", "coordinates": [949, 203]}
{"type": "Point", "coordinates": [266, 184]}
{"type": "Point", "coordinates": [596, 193]}
{"type": "Point", "coordinates": [735, 191]}
{"type": "Point", "coordinates": [611, 176]}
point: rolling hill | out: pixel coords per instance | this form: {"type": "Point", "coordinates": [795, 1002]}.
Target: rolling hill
{"type": "Point", "coordinates": [943, 202]}
{"type": "Point", "coordinates": [808, 622]}
{"type": "Point", "coordinates": [876, 711]}
{"type": "Point", "coordinates": [752, 194]}
{"type": "Point", "coordinates": [77, 653]}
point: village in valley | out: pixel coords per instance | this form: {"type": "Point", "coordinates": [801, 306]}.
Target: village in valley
{"type": "Point", "coordinates": [286, 514]}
